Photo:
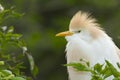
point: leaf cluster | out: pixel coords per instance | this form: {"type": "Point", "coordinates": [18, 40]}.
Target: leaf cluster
{"type": "Point", "coordinates": [98, 71]}
{"type": "Point", "coordinates": [12, 50]}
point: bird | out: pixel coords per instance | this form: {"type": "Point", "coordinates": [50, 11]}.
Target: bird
{"type": "Point", "coordinates": [87, 40]}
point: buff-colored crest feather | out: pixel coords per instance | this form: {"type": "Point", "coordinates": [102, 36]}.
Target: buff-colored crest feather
{"type": "Point", "coordinates": [82, 20]}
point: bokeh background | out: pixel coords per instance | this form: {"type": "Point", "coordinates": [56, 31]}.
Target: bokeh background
{"type": "Point", "coordinates": [44, 18]}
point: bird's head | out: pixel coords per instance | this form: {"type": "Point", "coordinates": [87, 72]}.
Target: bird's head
{"type": "Point", "coordinates": [82, 24]}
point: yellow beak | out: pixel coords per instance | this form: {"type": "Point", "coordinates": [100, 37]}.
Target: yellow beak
{"type": "Point", "coordinates": [66, 33]}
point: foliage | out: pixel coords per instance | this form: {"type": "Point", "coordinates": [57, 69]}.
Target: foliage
{"type": "Point", "coordinates": [12, 50]}
{"type": "Point", "coordinates": [98, 71]}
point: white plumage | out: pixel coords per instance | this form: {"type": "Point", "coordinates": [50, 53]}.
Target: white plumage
{"type": "Point", "coordinates": [86, 40]}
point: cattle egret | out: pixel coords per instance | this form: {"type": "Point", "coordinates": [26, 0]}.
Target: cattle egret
{"type": "Point", "coordinates": [86, 40]}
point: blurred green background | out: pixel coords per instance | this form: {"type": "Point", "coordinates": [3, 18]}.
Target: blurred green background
{"type": "Point", "coordinates": [44, 18]}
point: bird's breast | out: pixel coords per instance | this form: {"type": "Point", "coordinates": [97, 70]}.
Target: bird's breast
{"type": "Point", "coordinates": [75, 53]}
{"type": "Point", "coordinates": [95, 52]}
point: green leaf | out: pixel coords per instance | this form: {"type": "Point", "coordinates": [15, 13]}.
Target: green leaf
{"type": "Point", "coordinates": [2, 63]}
{"type": "Point", "coordinates": [31, 61]}
{"type": "Point", "coordinates": [106, 72]}
{"type": "Point", "coordinates": [24, 50]}
{"type": "Point", "coordinates": [10, 29]}
{"type": "Point", "coordinates": [18, 78]}
{"type": "Point", "coordinates": [1, 8]}
{"type": "Point", "coordinates": [98, 67]}
{"type": "Point", "coordinates": [78, 66]}
{"type": "Point", "coordinates": [33, 67]}
{"type": "Point", "coordinates": [96, 77]}
{"type": "Point", "coordinates": [17, 15]}
{"type": "Point", "coordinates": [6, 72]}
{"type": "Point", "coordinates": [4, 28]}
{"type": "Point", "coordinates": [118, 64]}
{"type": "Point", "coordinates": [113, 70]}
{"type": "Point", "coordinates": [21, 43]}
{"type": "Point", "coordinates": [117, 78]}
{"type": "Point", "coordinates": [88, 64]}
{"type": "Point", "coordinates": [35, 71]}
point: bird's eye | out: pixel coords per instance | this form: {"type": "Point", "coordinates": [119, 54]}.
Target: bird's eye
{"type": "Point", "coordinates": [77, 31]}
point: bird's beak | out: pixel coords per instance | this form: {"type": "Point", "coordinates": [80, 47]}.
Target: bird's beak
{"type": "Point", "coordinates": [66, 33]}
